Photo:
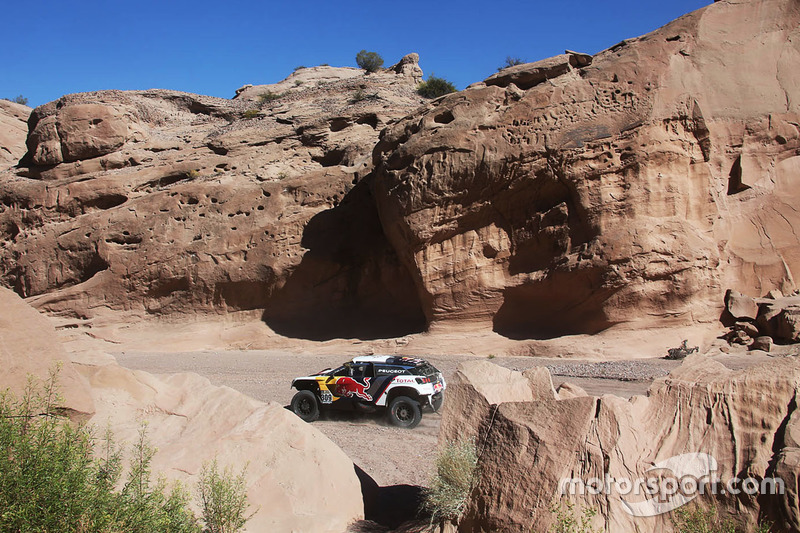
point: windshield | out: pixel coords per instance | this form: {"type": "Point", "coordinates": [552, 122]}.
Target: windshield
{"type": "Point", "coordinates": [425, 369]}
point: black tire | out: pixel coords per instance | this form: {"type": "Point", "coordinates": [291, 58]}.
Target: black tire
{"type": "Point", "coordinates": [404, 412]}
{"type": "Point", "coordinates": [305, 405]}
{"type": "Point", "coordinates": [438, 400]}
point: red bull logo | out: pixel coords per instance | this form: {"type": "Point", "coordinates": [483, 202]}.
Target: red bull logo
{"type": "Point", "coordinates": [349, 387]}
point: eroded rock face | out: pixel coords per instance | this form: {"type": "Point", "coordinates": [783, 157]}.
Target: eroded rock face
{"type": "Point", "coordinates": [13, 132]}
{"type": "Point", "coordinates": [164, 202]}
{"type": "Point", "coordinates": [565, 197]}
{"type": "Point", "coordinates": [528, 447]}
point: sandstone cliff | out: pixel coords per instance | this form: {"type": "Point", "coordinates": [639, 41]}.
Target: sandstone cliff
{"type": "Point", "coordinates": [575, 193]}
{"type": "Point", "coordinates": [159, 202]}
{"type": "Point", "coordinates": [564, 196]}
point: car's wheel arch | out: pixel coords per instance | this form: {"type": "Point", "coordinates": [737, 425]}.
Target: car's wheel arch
{"type": "Point", "coordinates": [313, 386]}
{"type": "Point", "coordinates": [409, 392]}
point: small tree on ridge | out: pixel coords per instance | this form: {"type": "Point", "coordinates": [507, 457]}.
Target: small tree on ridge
{"type": "Point", "coordinates": [369, 61]}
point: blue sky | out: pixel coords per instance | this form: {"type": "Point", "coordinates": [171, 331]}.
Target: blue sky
{"type": "Point", "coordinates": [53, 48]}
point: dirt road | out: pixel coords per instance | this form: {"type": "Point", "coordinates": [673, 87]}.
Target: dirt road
{"type": "Point", "coordinates": [390, 455]}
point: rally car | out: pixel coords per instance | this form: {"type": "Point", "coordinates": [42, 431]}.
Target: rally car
{"type": "Point", "coordinates": [402, 386]}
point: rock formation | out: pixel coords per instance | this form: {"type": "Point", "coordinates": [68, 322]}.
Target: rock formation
{"type": "Point", "coordinates": [298, 480]}
{"type": "Point", "coordinates": [531, 438]}
{"type": "Point", "coordinates": [162, 202]}
{"type": "Point", "coordinates": [758, 322]}
{"type": "Point", "coordinates": [13, 132]}
{"type": "Point", "coordinates": [576, 193]}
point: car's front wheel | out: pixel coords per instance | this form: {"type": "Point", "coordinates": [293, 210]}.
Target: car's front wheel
{"type": "Point", "coordinates": [404, 412]}
{"type": "Point", "coordinates": [305, 405]}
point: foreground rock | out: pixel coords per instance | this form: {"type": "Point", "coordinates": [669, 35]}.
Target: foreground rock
{"type": "Point", "coordinates": [297, 479]}
{"type": "Point", "coordinates": [29, 348]}
{"type": "Point", "coordinates": [576, 193]}
{"type": "Point", "coordinates": [744, 419]}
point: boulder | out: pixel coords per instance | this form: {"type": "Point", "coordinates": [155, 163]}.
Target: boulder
{"type": "Point", "coordinates": [408, 66]}
{"type": "Point", "coordinates": [569, 390]}
{"type": "Point", "coordinates": [529, 75]}
{"type": "Point", "coordinates": [736, 417]}
{"type": "Point", "coordinates": [297, 479]}
{"type": "Point", "coordinates": [762, 343]}
{"type": "Point", "coordinates": [788, 321]}
{"type": "Point", "coordinates": [80, 131]}
{"type": "Point", "coordinates": [741, 307]}
{"type": "Point", "coordinates": [479, 387]}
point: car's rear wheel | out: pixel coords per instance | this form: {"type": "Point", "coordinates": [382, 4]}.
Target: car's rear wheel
{"type": "Point", "coordinates": [404, 412]}
{"type": "Point", "coordinates": [305, 405]}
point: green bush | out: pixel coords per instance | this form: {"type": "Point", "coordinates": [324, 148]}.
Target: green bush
{"type": "Point", "coordinates": [18, 99]}
{"type": "Point", "coordinates": [435, 87]}
{"type": "Point", "coordinates": [566, 522]}
{"type": "Point", "coordinates": [456, 474]}
{"type": "Point", "coordinates": [251, 113]}
{"type": "Point", "coordinates": [369, 61]}
{"type": "Point", "coordinates": [267, 97]}
{"type": "Point", "coordinates": [223, 497]}
{"type": "Point", "coordinates": [696, 519]}
{"type": "Point", "coordinates": [51, 478]}
{"type": "Point", "coordinates": [510, 62]}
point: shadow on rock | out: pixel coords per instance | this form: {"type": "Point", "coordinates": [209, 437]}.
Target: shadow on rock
{"type": "Point", "coordinates": [395, 508]}
{"type": "Point", "coordinates": [350, 283]}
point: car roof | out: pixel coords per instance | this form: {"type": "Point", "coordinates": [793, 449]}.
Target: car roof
{"type": "Point", "coordinates": [389, 360]}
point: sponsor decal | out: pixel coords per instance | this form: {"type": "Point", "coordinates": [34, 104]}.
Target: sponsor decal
{"type": "Point", "coordinates": [390, 370]}
{"type": "Point", "coordinates": [349, 388]}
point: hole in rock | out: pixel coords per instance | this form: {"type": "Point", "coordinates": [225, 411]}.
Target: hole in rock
{"type": "Point", "coordinates": [444, 118]}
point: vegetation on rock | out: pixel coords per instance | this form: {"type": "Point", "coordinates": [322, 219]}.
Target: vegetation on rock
{"type": "Point", "coordinates": [18, 99]}
{"type": "Point", "coordinates": [511, 61]}
{"type": "Point", "coordinates": [456, 472]}
{"type": "Point", "coordinates": [223, 498]}
{"type": "Point", "coordinates": [435, 87]}
{"type": "Point", "coordinates": [52, 478]}
{"type": "Point", "coordinates": [369, 61]}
